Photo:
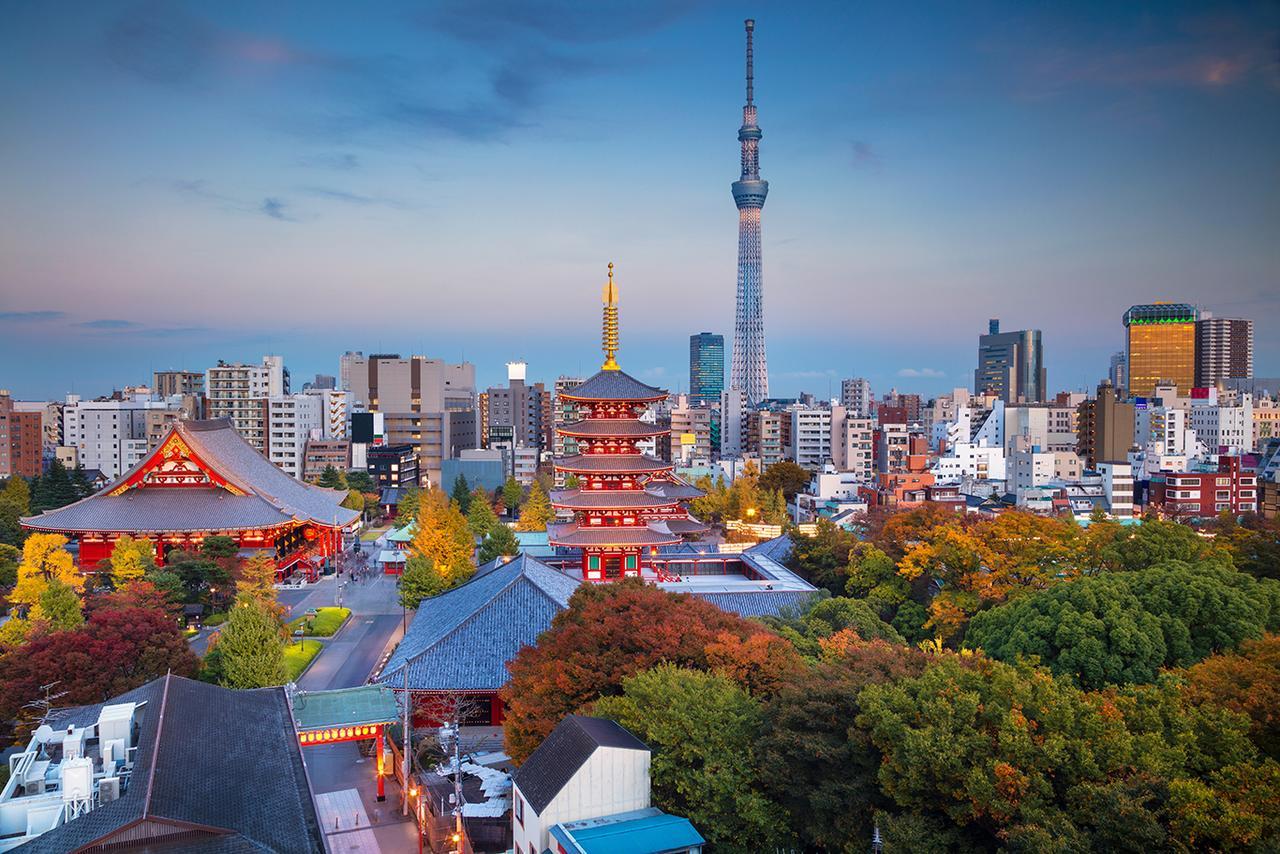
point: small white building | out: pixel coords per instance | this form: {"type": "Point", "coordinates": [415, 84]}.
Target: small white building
{"type": "Point", "coordinates": [590, 773]}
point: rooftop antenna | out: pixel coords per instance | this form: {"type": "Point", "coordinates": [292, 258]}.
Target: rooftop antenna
{"type": "Point", "coordinates": [751, 25]}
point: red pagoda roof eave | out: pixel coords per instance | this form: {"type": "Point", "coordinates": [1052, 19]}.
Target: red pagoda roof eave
{"type": "Point", "coordinates": [599, 465]}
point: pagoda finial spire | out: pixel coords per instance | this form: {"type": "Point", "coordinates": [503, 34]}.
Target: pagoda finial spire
{"type": "Point", "coordinates": [610, 337]}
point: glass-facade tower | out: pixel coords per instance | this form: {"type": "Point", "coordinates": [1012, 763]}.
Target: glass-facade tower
{"type": "Point", "coordinates": [1162, 346]}
{"type": "Point", "coordinates": [706, 368]}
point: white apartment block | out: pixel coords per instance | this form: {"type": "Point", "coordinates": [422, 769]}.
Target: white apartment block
{"type": "Point", "coordinates": [1224, 427]}
{"type": "Point", "coordinates": [1117, 485]}
{"type": "Point", "coordinates": [292, 420]}
{"type": "Point", "coordinates": [690, 433]}
{"type": "Point", "coordinates": [811, 437]}
{"type": "Point", "coordinates": [241, 392]}
{"type": "Point", "coordinates": [852, 443]}
{"type": "Point", "coordinates": [110, 435]}
{"type": "Point", "coordinates": [968, 459]}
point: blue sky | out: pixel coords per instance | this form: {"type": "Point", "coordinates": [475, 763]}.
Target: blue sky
{"type": "Point", "coordinates": [186, 182]}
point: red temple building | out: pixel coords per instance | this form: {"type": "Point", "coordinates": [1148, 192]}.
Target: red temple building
{"type": "Point", "coordinates": [205, 480]}
{"type": "Point", "coordinates": [626, 504]}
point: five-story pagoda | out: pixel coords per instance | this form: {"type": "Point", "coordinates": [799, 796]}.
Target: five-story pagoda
{"type": "Point", "coordinates": [626, 504]}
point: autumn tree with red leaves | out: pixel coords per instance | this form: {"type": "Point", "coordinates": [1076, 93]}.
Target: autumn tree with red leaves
{"type": "Point", "coordinates": [612, 631]}
{"type": "Point", "coordinates": [124, 644]}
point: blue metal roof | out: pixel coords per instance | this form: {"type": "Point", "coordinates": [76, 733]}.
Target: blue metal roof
{"type": "Point", "coordinates": [462, 640]}
{"type": "Point", "coordinates": [649, 831]}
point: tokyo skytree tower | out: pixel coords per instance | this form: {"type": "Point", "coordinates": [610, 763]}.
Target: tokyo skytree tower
{"type": "Point", "coordinates": [750, 368]}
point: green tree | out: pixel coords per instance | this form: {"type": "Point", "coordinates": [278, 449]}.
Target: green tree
{"type": "Point", "coordinates": [710, 506]}
{"type": "Point", "coordinates": [480, 516]}
{"type": "Point", "coordinates": [59, 608]}
{"type": "Point", "coordinates": [537, 512]}
{"type": "Point", "coordinates": [354, 500]}
{"type": "Point", "coordinates": [45, 559]}
{"type": "Point", "coordinates": [823, 558]}
{"type": "Point", "coordinates": [828, 616]}
{"type": "Point", "coordinates": [9, 559]}
{"type": "Point", "coordinates": [131, 559]}
{"type": "Point", "coordinates": [1155, 541]}
{"type": "Point", "coordinates": [256, 580]}
{"type": "Point", "coordinates": [80, 486]}
{"type": "Point", "coordinates": [360, 479]}
{"type": "Point", "coordinates": [461, 493]}
{"type": "Point", "coordinates": [818, 767]}
{"type": "Point", "coordinates": [220, 548]}
{"type": "Point", "coordinates": [501, 541]}
{"type": "Point", "coordinates": [169, 584]}
{"type": "Point", "coordinates": [874, 577]}
{"type": "Point", "coordinates": [331, 478]}
{"type": "Point", "coordinates": [787, 477]}
{"type": "Point", "coordinates": [15, 502]}
{"type": "Point", "coordinates": [1123, 627]}
{"type": "Point", "coordinates": [407, 506]}
{"type": "Point", "coordinates": [54, 489]}
{"type": "Point", "coordinates": [703, 729]}
{"type": "Point", "coordinates": [773, 507]}
{"type": "Point", "coordinates": [512, 493]}
{"type": "Point", "coordinates": [199, 574]}
{"type": "Point", "coordinates": [419, 581]}
{"type": "Point", "coordinates": [251, 647]}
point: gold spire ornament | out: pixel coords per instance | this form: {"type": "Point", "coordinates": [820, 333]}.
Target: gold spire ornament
{"type": "Point", "coordinates": [610, 324]}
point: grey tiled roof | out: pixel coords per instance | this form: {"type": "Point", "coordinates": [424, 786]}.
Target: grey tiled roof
{"type": "Point", "coordinates": [462, 640]}
{"type": "Point", "coordinates": [671, 489]}
{"type": "Point", "coordinates": [607, 498]}
{"type": "Point", "coordinates": [146, 510]}
{"type": "Point", "coordinates": [271, 496]}
{"type": "Point", "coordinates": [606, 427]}
{"type": "Point", "coordinates": [756, 603]}
{"type": "Point", "coordinates": [611, 462]}
{"type": "Point", "coordinates": [613, 385]}
{"type": "Point", "coordinates": [572, 535]}
{"type": "Point", "coordinates": [554, 762]}
{"type": "Point", "coordinates": [211, 757]}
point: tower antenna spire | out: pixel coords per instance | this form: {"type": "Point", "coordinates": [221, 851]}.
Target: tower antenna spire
{"type": "Point", "coordinates": [751, 25]}
{"type": "Point", "coordinates": [610, 327]}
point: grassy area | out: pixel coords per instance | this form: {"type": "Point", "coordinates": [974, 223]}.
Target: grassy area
{"type": "Point", "coordinates": [216, 619]}
{"type": "Point", "coordinates": [298, 655]}
{"type": "Point", "coordinates": [323, 624]}
{"type": "Point", "coordinates": [372, 534]}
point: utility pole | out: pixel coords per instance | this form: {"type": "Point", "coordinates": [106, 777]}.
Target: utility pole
{"type": "Point", "coordinates": [404, 789]}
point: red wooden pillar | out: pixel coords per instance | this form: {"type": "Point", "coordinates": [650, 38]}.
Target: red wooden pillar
{"type": "Point", "coordinates": [378, 754]}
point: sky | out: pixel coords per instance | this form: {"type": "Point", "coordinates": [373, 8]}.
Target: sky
{"type": "Point", "coordinates": [184, 182]}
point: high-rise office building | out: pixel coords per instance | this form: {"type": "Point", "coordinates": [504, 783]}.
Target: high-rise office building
{"type": "Point", "coordinates": [750, 366]}
{"type": "Point", "coordinates": [1118, 372]}
{"type": "Point", "coordinates": [1224, 349]}
{"type": "Point", "coordinates": [855, 396]}
{"type": "Point", "coordinates": [514, 413]}
{"type": "Point", "coordinates": [1010, 364]}
{"type": "Point", "coordinates": [21, 439]}
{"type": "Point", "coordinates": [1161, 342]}
{"type": "Point", "coordinates": [427, 403]}
{"type": "Point", "coordinates": [1106, 428]}
{"type": "Point", "coordinates": [706, 368]}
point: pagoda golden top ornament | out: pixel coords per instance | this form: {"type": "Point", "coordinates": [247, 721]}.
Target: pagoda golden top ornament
{"type": "Point", "coordinates": [610, 329]}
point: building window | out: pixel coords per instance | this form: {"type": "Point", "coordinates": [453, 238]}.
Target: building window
{"type": "Point", "coordinates": [520, 810]}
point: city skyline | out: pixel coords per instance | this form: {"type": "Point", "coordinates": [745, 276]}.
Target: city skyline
{"type": "Point", "coordinates": [1047, 169]}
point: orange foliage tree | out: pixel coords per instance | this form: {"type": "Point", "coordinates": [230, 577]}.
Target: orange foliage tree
{"type": "Point", "coordinates": [612, 631]}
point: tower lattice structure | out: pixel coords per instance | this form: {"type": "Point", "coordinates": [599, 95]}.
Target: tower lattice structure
{"type": "Point", "coordinates": [750, 368]}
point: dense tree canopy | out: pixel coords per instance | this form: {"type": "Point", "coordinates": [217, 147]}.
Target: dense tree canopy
{"type": "Point", "coordinates": [331, 478]}
{"type": "Point", "coordinates": [610, 632]}
{"type": "Point", "coordinates": [461, 494]}
{"type": "Point", "coordinates": [1247, 681]}
{"type": "Point", "coordinates": [512, 494]}
{"type": "Point", "coordinates": [15, 502]}
{"type": "Point", "coordinates": [1123, 627]}
{"type": "Point", "coordinates": [122, 645]}
{"type": "Point", "coordinates": [407, 506]}
{"type": "Point", "coordinates": [131, 560]}
{"type": "Point", "coordinates": [703, 730]}
{"type": "Point", "coordinates": [786, 477]}
{"type": "Point", "coordinates": [44, 559]}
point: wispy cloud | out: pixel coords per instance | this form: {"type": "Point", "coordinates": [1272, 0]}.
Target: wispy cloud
{"type": "Point", "coordinates": [863, 155]}
{"type": "Point", "coordinates": [276, 209]}
{"type": "Point", "coordinates": [929, 373]}
{"type": "Point", "coordinates": [31, 316]}
{"type": "Point", "coordinates": [337, 161]}
{"type": "Point", "coordinates": [165, 44]}
{"type": "Point", "coordinates": [108, 324]}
